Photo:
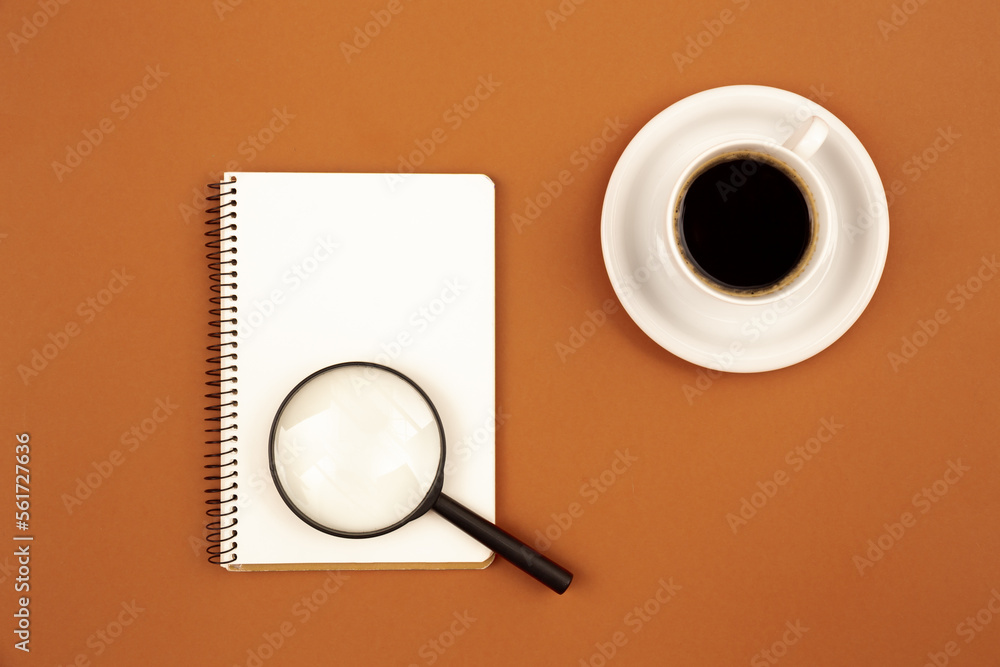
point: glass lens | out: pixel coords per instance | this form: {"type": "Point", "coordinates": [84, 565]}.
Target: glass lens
{"type": "Point", "coordinates": [356, 448]}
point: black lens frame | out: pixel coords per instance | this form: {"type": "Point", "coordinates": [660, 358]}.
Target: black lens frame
{"type": "Point", "coordinates": [429, 498]}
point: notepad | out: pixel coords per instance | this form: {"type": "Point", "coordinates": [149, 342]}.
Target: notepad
{"type": "Point", "coordinates": [312, 270]}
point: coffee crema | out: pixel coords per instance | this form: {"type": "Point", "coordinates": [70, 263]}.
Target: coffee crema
{"type": "Point", "coordinates": [746, 223]}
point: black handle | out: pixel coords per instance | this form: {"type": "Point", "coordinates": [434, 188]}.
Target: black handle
{"type": "Point", "coordinates": [520, 554]}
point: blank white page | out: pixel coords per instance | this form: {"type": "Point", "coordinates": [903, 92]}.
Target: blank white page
{"type": "Point", "coordinates": [364, 267]}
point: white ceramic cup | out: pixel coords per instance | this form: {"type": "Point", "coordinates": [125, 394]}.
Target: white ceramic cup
{"type": "Point", "coordinates": [792, 157]}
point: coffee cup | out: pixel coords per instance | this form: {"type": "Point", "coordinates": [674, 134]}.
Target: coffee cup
{"type": "Point", "coordinates": [750, 220]}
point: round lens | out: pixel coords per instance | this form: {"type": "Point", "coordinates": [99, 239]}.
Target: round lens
{"type": "Point", "coordinates": [356, 448]}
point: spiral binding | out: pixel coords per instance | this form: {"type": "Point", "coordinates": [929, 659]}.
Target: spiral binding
{"type": "Point", "coordinates": [222, 267]}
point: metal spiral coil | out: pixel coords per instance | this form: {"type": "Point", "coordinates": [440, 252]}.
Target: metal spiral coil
{"type": "Point", "coordinates": [223, 356]}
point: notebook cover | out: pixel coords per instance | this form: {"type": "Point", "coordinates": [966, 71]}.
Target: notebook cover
{"type": "Point", "coordinates": [357, 267]}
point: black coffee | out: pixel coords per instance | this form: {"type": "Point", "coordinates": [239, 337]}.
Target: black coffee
{"type": "Point", "coordinates": [744, 223]}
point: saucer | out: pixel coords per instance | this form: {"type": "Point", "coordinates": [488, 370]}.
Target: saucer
{"type": "Point", "coordinates": [694, 325]}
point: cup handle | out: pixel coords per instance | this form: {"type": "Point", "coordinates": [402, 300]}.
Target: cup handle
{"type": "Point", "coordinates": [808, 137]}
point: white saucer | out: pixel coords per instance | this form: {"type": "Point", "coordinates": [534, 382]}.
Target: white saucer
{"type": "Point", "coordinates": [697, 326]}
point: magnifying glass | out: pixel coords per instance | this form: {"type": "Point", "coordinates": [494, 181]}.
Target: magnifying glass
{"type": "Point", "coordinates": [357, 450]}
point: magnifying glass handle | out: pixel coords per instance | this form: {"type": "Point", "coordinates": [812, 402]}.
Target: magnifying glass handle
{"type": "Point", "coordinates": [520, 554]}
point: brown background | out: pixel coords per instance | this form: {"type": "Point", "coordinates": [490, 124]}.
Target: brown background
{"type": "Point", "coordinates": [130, 205]}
